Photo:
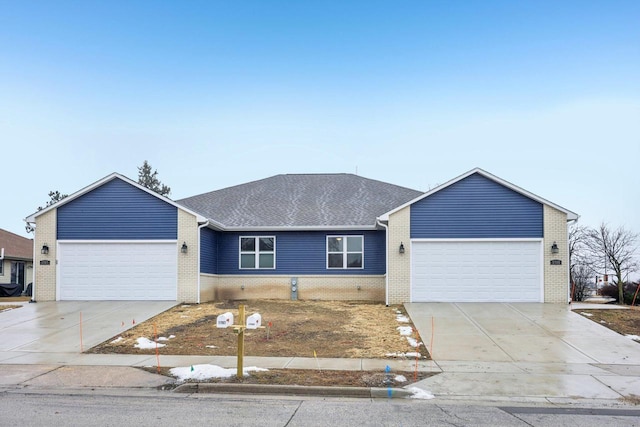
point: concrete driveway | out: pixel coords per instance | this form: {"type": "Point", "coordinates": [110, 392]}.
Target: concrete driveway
{"type": "Point", "coordinates": [508, 350]}
{"type": "Point", "coordinates": [36, 333]}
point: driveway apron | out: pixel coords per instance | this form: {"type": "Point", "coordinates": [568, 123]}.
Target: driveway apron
{"type": "Point", "coordinates": [61, 327]}
{"type": "Point", "coordinates": [524, 349]}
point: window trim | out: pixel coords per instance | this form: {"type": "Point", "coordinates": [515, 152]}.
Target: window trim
{"type": "Point", "coordinates": [256, 253]}
{"type": "Point", "coordinates": [345, 252]}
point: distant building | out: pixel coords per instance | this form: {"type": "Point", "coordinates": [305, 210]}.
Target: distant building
{"type": "Point", "coordinates": [16, 263]}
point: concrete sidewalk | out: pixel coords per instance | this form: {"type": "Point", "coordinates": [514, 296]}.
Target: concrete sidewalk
{"type": "Point", "coordinates": [119, 371]}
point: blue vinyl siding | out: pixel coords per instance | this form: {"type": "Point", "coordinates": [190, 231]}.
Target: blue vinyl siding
{"type": "Point", "coordinates": [208, 251]}
{"type": "Point", "coordinates": [299, 253]}
{"type": "Point", "coordinates": [476, 207]}
{"type": "Point", "coordinates": [117, 211]}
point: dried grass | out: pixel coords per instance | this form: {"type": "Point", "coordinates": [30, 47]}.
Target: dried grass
{"type": "Point", "coordinates": [298, 328]}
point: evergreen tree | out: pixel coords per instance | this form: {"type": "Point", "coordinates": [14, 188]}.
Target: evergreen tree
{"type": "Point", "coordinates": [149, 179]}
{"type": "Point", "coordinates": [54, 196]}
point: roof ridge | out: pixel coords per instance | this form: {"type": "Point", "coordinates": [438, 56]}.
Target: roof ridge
{"type": "Point", "coordinates": [227, 188]}
{"type": "Point", "coordinates": [299, 175]}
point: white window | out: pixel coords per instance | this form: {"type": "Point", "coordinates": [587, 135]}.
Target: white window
{"type": "Point", "coordinates": [257, 252]}
{"type": "Point", "coordinates": [345, 251]}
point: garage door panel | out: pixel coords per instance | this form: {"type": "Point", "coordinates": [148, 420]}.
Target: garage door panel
{"type": "Point", "coordinates": [118, 271]}
{"type": "Point", "coordinates": [476, 271]}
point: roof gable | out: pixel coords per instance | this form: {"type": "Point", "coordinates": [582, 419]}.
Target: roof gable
{"type": "Point", "coordinates": [303, 201]}
{"type": "Point", "coordinates": [570, 215]}
{"type": "Point", "coordinates": [102, 182]}
{"type": "Point", "coordinates": [477, 207]}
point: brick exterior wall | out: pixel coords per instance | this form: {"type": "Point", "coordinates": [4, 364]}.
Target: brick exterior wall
{"type": "Point", "coordinates": [225, 287]}
{"type": "Point", "coordinates": [556, 277]}
{"type": "Point", "coordinates": [399, 265]}
{"type": "Point", "coordinates": [44, 284]}
{"type": "Point", "coordinates": [208, 284]}
{"type": "Point", "coordinates": [188, 263]}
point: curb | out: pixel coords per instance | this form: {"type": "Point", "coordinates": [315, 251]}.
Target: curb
{"type": "Point", "coordinates": [294, 390]}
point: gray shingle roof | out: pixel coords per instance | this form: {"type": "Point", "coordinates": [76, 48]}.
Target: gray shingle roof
{"type": "Point", "coordinates": [308, 200]}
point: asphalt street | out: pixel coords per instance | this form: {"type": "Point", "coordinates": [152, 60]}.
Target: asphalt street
{"type": "Point", "coordinates": [150, 408]}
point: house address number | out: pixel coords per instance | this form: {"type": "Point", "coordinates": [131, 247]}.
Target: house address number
{"type": "Point", "coordinates": [556, 262]}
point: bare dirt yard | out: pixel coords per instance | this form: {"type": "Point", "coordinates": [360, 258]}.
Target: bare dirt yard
{"type": "Point", "coordinates": [625, 322]}
{"type": "Point", "coordinates": [334, 329]}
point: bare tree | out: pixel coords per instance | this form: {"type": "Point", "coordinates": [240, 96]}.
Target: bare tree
{"type": "Point", "coordinates": [581, 281]}
{"type": "Point", "coordinates": [617, 248]}
{"type": "Point", "coordinates": [581, 268]}
{"type": "Point", "coordinates": [579, 253]}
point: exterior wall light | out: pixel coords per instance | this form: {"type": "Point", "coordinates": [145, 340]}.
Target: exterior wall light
{"type": "Point", "coordinates": [45, 249]}
{"type": "Point", "coordinates": [184, 248]}
{"type": "Point", "coordinates": [554, 248]}
{"type": "Point", "coordinates": [401, 249]}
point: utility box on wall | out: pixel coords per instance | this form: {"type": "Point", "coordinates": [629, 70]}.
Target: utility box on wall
{"type": "Point", "coordinates": [294, 288]}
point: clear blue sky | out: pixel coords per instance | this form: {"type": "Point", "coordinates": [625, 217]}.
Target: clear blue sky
{"type": "Point", "coordinates": [544, 94]}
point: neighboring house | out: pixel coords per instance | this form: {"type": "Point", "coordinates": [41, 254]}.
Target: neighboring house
{"type": "Point", "coordinates": [16, 263]}
{"type": "Point", "coordinates": [333, 236]}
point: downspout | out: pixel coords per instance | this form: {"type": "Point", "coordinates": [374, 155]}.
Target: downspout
{"type": "Point", "coordinates": [200, 227]}
{"type": "Point", "coordinates": [32, 228]}
{"type": "Point", "coordinates": [386, 275]}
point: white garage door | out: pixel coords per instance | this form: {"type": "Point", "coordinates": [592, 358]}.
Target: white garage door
{"type": "Point", "coordinates": [117, 271]}
{"type": "Point", "coordinates": [476, 271]}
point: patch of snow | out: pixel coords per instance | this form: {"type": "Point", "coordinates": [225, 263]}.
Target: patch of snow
{"type": "Point", "coordinates": [419, 393]}
{"type": "Point", "coordinates": [413, 342]}
{"type": "Point", "coordinates": [205, 372]}
{"type": "Point", "coordinates": [405, 330]}
{"type": "Point", "coordinates": [185, 305]}
{"type": "Point", "coordinates": [633, 337]}
{"type": "Point", "coordinates": [402, 318]}
{"type": "Point", "coordinates": [117, 340]}
{"type": "Point", "coordinates": [412, 354]}
{"type": "Point", "coordinates": [165, 338]}
{"type": "Point", "coordinates": [211, 346]}
{"type": "Point", "coordinates": [603, 321]}
{"type": "Point", "coordinates": [586, 314]}
{"type": "Point", "coordinates": [400, 379]}
{"type": "Point", "coordinates": [146, 344]}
